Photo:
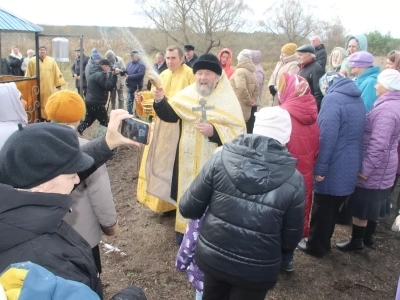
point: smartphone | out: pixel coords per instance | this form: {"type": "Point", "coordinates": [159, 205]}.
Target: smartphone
{"type": "Point", "coordinates": [136, 130]}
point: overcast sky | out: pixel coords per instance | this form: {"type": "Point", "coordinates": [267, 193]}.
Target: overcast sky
{"type": "Point", "coordinates": [358, 16]}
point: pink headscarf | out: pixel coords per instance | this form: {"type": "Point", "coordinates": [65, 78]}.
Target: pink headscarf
{"type": "Point", "coordinates": [291, 86]}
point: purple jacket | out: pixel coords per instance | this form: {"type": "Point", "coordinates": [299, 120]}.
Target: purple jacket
{"type": "Point", "coordinates": [381, 138]}
{"type": "Point", "coordinates": [185, 258]}
{"type": "Point", "coordinates": [136, 71]}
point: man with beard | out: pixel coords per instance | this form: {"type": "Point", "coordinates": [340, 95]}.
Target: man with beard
{"type": "Point", "coordinates": [201, 117]}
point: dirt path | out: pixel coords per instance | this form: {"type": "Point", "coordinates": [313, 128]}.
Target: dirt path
{"type": "Point", "coordinates": [149, 243]}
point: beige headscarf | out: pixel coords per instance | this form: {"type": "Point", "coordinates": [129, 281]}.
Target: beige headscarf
{"type": "Point", "coordinates": [336, 51]}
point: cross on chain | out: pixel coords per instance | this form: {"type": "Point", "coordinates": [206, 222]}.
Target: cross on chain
{"type": "Point", "coordinates": [203, 108]}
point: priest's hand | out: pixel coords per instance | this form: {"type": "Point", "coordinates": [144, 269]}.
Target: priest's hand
{"type": "Point", "coordinates": [138, 98]}
{"type": "Point", "coordinates": [206, 129]}
{"type": "Point", "coordinates": [158, 94]}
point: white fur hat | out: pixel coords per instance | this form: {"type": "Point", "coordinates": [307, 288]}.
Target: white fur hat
{"type": "Point", "coordinates": [390, 79]}
{"type": "Point", "coordinates": [273, 122]}
{"type": "Point", "coordinates": [245, 54]}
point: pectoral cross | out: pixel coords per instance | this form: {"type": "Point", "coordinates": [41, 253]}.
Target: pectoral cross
{"type": "Point", "coordinates": [203, 108]}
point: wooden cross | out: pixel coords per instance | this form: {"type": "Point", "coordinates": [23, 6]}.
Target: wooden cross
{"type": "Point", "coordinates": [203, 108]}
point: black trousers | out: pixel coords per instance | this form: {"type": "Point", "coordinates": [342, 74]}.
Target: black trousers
{"type": "Point", "coordinates": [94, 112]}
{"type": "Point", "coordinates": [97, 260]}
{"type": "Point", "coordinates": [324, 212]}
{"type": "Point", "coordinates": [250, 122]}
{"type": "Point", "coordinates": [84, 91]}
{"type": "Point", "coordinates": [219, 290]}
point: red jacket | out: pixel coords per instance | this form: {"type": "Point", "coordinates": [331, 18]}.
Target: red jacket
{"type": "Point", "coordinates": [304, 142]}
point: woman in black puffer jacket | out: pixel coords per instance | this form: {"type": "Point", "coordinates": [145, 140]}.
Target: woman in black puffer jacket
{"type": "Point", "coordinates": [256, 199]}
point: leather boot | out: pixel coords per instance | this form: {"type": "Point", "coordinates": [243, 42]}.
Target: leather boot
{"type": "Point", "coordinates": [355, 242]}
{"type": "Point", "coordinates": [369, 239]}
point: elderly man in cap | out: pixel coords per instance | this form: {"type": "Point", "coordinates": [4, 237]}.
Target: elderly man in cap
{"type": "Point", "coordinates": [310, 70]}
{"type": "Point", "coordinates": [76, 71]}
{"type": "Point", "coordinates": [100, 82]}
{"type": "Point", "coordinates": [362, 66]}
{"type": "Point", "coordinates": [135, 71]}
{"type": "Point", "coordinates": [201, 117]}
{"type": "Point", "coordinates": [190, 56]}
{"type": "Point", "coordinates": [50, 77]}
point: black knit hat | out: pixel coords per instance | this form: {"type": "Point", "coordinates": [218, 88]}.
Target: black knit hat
{"type": "Point", "coordinates": [208, 62]}
{"type": "Point", "coordinates": [40, 152]}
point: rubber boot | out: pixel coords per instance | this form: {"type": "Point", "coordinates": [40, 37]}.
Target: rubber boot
{"type": "Point", "coordinates": [369, 239]}
{"type": "Point", "coordinates": [356, 241]}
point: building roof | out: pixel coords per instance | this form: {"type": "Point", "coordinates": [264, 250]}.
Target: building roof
{"type": "Point", "coordinates": [10, 22]}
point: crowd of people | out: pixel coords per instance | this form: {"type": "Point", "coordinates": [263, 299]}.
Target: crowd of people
{"type": "Point", "coordinates": [247, 184]}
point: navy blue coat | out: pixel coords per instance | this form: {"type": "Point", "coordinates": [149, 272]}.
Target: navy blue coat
{"type": "Point", "coordinates": [136, 71]}
{"type": "Point", "coordinates": [341, 124]}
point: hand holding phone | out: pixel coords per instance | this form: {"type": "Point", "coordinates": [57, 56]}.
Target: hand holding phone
{"type": "Point", "coordinates": [136, 130]}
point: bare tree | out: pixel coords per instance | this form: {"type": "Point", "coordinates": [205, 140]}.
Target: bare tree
{"type": "Point", "coordinates": [289, 21]}
{"type": "Point", "coordinates": [205, 23]}
{"type": "Point", "coordinates": [332, 33]}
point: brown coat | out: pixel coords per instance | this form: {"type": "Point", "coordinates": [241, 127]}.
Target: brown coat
{"type": "Point", "coordinates": [285, 65]}
{"type": "Point", "coordinates": [245, 85]}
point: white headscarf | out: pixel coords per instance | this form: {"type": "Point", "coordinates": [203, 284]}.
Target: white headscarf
{"type": "Point", "coordinates": [11, 111]}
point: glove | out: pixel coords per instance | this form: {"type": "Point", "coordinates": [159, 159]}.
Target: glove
{"type": "Point", "coordinates": [110, 231]}
{"type": "Point", "coordinates": [272, 90]}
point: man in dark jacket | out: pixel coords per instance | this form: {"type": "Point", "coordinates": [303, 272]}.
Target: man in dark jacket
{"type": "Point", "coordinates": [160, 65]}
{"type": "Point", "coordinates": [311, 70]}
{"type": "Point", "coordinates": [255, 199]}
{"type": "Point", "coordinates": [5, 67]}
{"type": "Point", "coordinates": [76, 71]}
{"type": "Point", "coordinates": [100, 82]}
{"type": "Point", "coordinates": [135, 71]}
{"type": "Point", "coordinates": [190, 56]}
{"type": "Point", "coordinates": [320, 51]}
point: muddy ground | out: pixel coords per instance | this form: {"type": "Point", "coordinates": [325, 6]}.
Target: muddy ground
{"type": "Point", "coordinates": [148, 241]}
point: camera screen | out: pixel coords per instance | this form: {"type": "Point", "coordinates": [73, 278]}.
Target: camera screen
{"type": "Point", "coordinates": [135, 130]}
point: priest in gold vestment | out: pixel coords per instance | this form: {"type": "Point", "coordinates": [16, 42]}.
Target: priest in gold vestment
{"type": "Point", "coordinates": [200, 118]}
{"type": "Point", "coordinates": [50, 77]}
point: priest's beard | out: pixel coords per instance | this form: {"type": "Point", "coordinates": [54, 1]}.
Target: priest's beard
{"type": "Point", "coordinates": [206, 90]}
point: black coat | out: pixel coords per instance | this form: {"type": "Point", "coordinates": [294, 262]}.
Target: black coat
{"type": "Point", "coordinates": [255, 198]}
{"type": "Point", "coordinates": [321, 56]}
{"type": "Point", "coordinates": [5, 67]}
{"type": "Point", "coordinates": [191, 62]}
{"type": "Point", "coordinates": [75, 69]}
{"type": "Point", "coordinates": [312, 72]}
{"type": "Point", "coordinates": [32, 229]}
{"type": "Point", "coordinates": [99, 84]}
{"type": "Point", "coordinates": [15, 66]}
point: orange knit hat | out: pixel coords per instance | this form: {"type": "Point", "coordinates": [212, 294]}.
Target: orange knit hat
{"type": "Point", "coordinates": [289, 48]}
{"type": "Point", "coordinates": [65, 107]}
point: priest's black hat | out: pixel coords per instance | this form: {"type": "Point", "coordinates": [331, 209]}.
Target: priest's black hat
{"type": "Point", "coordinates": [208, 62]}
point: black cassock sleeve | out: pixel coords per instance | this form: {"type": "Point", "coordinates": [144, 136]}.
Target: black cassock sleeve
{"type": "Point", "coordinates": [165, 112]}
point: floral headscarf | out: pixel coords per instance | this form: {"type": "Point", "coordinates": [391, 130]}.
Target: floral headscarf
{"type": "Point", "coordinates": [328, 79]}
{"type": "Point", "coordinates": [291, 86]}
